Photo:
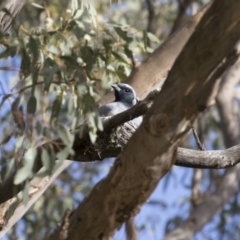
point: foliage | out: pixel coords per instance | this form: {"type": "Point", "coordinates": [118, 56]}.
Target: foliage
{"type": "Point", "coordinates": [67, 64]}
{"type": "Point", "coordinates": [66, 67]}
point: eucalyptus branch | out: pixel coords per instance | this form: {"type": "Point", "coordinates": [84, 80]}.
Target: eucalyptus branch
{"type": "Point", "coordinates": [106, 147]}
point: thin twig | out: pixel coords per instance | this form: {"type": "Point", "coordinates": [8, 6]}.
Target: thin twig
{"type": "Point", "coordinates": [131, 230]}
{"type": "Point", "coordinates": [182, 7]}
{"type": "Point", "coordinates": [200, 145]}
{"type": "Point", "coordinates": [25, 88]}
{"type": "Point", "coordinates": [151, 14]}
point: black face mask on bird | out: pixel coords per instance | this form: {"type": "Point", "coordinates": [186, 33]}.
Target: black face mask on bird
{"type": "Point", "coordinates": [125, 98]}
{"type": "Point", "coordinates": [124, 93]}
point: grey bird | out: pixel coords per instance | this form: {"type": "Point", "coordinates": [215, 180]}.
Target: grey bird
{"type": "Point", "coordinates": [125, 98]}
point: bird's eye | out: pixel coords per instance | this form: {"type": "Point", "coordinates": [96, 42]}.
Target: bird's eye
{"type": "Point", "coordinates": [127, 90]}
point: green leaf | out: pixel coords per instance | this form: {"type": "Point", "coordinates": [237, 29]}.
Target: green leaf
{"type": "Point", "coordinates": [19, 142]}
{"type": "Point", "coordinates": [64, 153]}
{"type": "Point", "coordinates": [34, 46]}
{"type": "Point", "coordinates": [62, 133]}
{"type": "Point", "coordinates": [38, 5]}
{"type": "Point", "coordinates": [9, 51]}
{"type": "Point", "coordinates": [39, 128]}
{"type": "Point", "coordinates": [16, 103]}
{"type": "Point", "coordinates": [3, 171]}
{"type": "Point", "coordinates": [78, 14]}
{"type": "Point", "coordinates": [110, 68]}
{"type": "Point", "coordinates": [81, 89]}
{"type": "Point", "coordinates": [26, 193]}
{"type": "Point", "coordinates": [32, 105]}
{"type": "Point", "coordinates": [26, 63]}
{"type": "Point", "coordinates": [95, 124]}
{"type": "Point", "coordinates": [92, 12]}
{"type": "Point", "coordinates": [149, 50]}
{"type": "Point", "coordinates": [56, 108]}
{"type": "Point", "coordinates": [93, 136]}
{"type": "Point", "coordinates": [10, 167]}
{"type": "Point", "coordinates": [24, 172]}
{"type": "Point", "coordinates": [74, 6]}
{"type": "Point", "coordinates": [122, 57]}
{"type": "Point", "coordinates": [50, 68]}
{"type": "Point", "coordinates": [99, 123]}
{"type": "Point", "coordinates": [46, 160]}
{"type": "Point", "coordinates": [47, 133]}
{"type": "Point", "coordinates": [152, 37]}
{"type": "Point", "coordinates": [123, 34]}
{"type": "Point", "coordinates": [65, 136]}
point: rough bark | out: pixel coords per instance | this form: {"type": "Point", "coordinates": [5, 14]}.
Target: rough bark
{"type": "Point", "coordinates": [185, 158]}
{"type": "Point", "coordinates": [13, 7]}
{"type": "Point", "coordinates": [151, 151]}
{"type": "Point", "coordinates": [211, 204]}
{"type": "Point", "coordinates": [85, 151]}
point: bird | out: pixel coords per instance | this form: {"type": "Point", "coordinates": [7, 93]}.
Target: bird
{"type": "Point", "coordinates": [125, 98]}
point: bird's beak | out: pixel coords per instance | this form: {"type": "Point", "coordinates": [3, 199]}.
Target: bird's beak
{"type": "Point", "coordinates": [115, 87]}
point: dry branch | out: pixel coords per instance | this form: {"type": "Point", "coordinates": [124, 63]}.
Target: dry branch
{"type": "Point", "coordinates": [86, 152]}
{"type": "Point", "coordinates": [211, 204]}
{"type": "Point", "coordinates": [13, 7]}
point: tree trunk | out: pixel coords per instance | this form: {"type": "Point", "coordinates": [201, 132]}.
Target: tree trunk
{"type": "Point", "coordinates": [148, 156]}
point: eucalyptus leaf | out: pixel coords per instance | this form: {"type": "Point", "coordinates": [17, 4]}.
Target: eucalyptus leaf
{"type": "Point", "coordinates": [34, 46]}
{"type": "Point", "coordinates": [152, 37]}
{"type": "Point", "coordinates": [38, 5]}
{"type": "Point", "coordinates": [64, 153]}
{"type": "Point", "coordinates": [93, 136]}
{"type": "Point", "coordinates": [24, 172]}
{"type": "Point", "coordinates": [10, 167]}
{"type": "Point", "coordinates": [26, 63]}
{"type": "Point", "coordinates": [123, 34]}
{"type": "Point", "coordinates": [74, 6]}
{"type": "Point", "coordinates": [78, 13]}
{"type": "Point", "coordinates": [32, 105]}
{"type": "Point", "coordinates": [26, 193]}
{"type": "Point", "coordinates": [46, 160]}
{"type": "Point", "coordinates": [39, 128]}
{"type": "Point", "coordinates": [10, 51]}
{"type": "Point", "coordinates": [56, 107]}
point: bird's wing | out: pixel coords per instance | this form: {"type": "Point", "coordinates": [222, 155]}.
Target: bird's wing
{"type": "Point", "coordinates": [112, 108]}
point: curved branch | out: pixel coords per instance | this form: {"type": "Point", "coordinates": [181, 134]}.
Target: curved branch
{"type": "Point", "coordinates": [226, 187]}
{"type": "Point", "coordinates": [86, 152]}
{"type": "Point", "coordinates": [214, 159]}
